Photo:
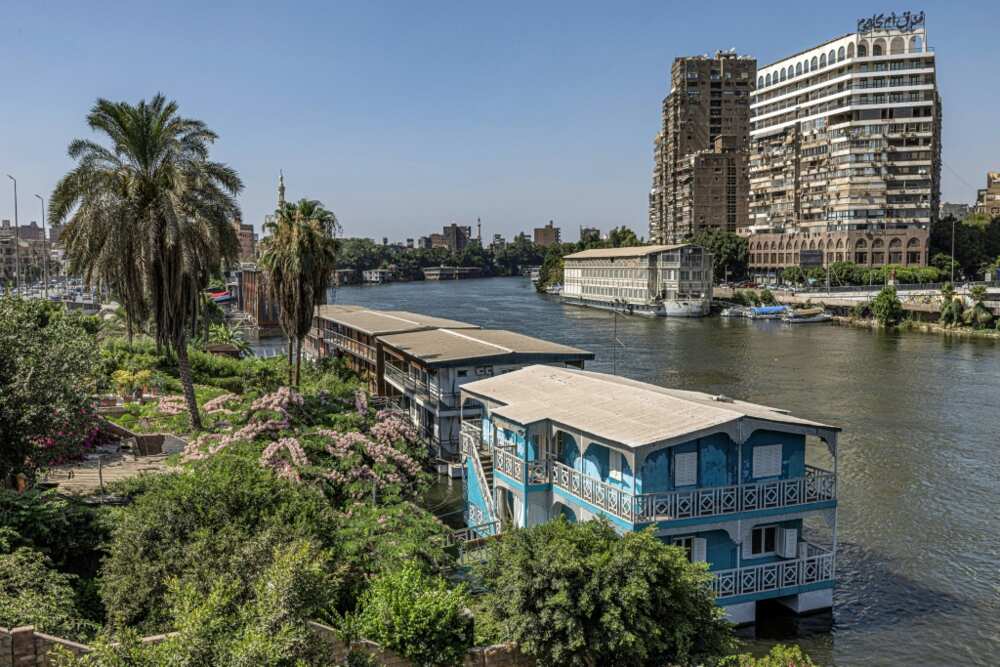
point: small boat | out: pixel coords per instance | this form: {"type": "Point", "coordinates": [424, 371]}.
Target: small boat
{"type": "Point", "coordinates": [554, 289]}
{"type": "Point", "coordinates": [734, 311]}
{"type": "Point", "coordinates": [806, 316]}
{"type": "Point", "coordinates": [766, 312]}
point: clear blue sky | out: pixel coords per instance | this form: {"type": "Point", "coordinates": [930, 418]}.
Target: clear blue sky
{"type": "Point", "coordinates": [404, 116]}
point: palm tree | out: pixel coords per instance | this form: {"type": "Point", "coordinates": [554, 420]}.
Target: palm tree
{"type": "Point", "coordinates": [150, 217]}
{"type": "Point", "coordinates": [299, 258]}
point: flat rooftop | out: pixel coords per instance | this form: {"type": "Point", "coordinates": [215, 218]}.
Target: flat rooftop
{"type": "Point", "coordinates": [617, 409]}
{"type": "Point", "coordinates": [381, 322]}
{"type": "Point", "coordinates": [635, 251]}
{"type": "Point", "coordinates": [448, 347]}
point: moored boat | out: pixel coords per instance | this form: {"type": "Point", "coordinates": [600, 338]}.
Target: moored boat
{"type": "Point", "coordinates": [806, 315]}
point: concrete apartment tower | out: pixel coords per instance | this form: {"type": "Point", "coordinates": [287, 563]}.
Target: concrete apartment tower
{"type": "Point", "coordinates": [700, 176]}
{"type": "Point", "coordinates": [845, 154]}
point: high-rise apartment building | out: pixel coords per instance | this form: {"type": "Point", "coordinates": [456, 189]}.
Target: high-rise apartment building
{"type": "Point", "coordinates": [700, 155]}
{"type": "Point", "coordinates": [845, 153]}
{"type": "Point", "coordinates": [988, 199]}
{"type": "Point", "coordinates": [248, 241]}
{"type": "Point", "coordinates": [547, 235]}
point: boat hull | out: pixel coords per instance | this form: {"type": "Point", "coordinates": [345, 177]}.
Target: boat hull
{"type": "Point", "coordinates": [667, 308]}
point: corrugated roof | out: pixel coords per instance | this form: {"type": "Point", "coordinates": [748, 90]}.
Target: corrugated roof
{"type": "Point", "coordinates": [447, 346]}
{"type": "Point", "coordinates": [635, 251]}
{"type": "Point", "coordinates": [616, 409]}
{"type": "Point", "coordinates": [379, 322]}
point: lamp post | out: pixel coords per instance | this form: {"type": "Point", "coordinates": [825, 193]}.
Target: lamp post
{"type": "Point", "coordinates": [953, 252]}
{"type": "Point", "coordinates": [17, 242]}
{"type": "Point", "coordinates": [45, 246]}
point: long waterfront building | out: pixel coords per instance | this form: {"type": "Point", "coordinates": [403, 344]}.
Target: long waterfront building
{"type": "Point", "coordinates": [658, 280]}
{"type": "Point", "coordinates": [700, 153]}
{"type": "Point", "coordinates": [421, 362]}
{"type": "Point", "coordinates": [748, 489]}
{"type": "Point", "coordinates": [845, 154]}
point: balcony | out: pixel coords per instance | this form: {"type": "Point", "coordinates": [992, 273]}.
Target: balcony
{"type": "Point", "coordinates": [428, 391]}
{"type": "Point", "coordinates": [816, 486]}
{"type": "Point", "coordinates": [351, 346]}
{"type": "Point", "coordinates": [814, 566]}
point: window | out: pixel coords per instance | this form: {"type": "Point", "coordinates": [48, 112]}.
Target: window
{"type": "Point", "coordinates": [767, 461]}
{"type": "Point", "coordinates": [694, 547]}
{"type": "Point", "coordinates": [764, 540]}
{"type": "Point", "coordinates": [463, 373]}
{"type": "Point", "coordinates": [685, 469]}
{"type": "Point", "coordinates": [615, 465]}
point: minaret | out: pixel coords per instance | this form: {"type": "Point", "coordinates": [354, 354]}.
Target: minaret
{"type": "Point", "coordinates": [479, 230]}
{"type": "Point", "coordinates": [281, 190]}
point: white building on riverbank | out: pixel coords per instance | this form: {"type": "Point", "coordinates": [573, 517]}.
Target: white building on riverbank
{"type": "Point", "coordinates": [657, 280]}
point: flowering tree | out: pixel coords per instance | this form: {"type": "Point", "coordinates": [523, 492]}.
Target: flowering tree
{"type": "Point", "coordinates": [47, 363]}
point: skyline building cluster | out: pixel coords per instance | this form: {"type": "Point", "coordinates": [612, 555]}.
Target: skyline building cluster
{"type": "Point", "coordinates": [841, 148]}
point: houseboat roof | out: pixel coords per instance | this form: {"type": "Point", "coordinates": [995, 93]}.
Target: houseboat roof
{"type": "Point", "coordinates": [619, 410]}
{"type": "Point", "coordinates": [380, 322]}
{"type": "Point", "coordinates": [635, 251]}
{"type": "Point", "coordinates": [448, 347]}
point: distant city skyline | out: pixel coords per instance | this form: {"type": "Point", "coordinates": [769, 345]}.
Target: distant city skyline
{"type": "Point", "coordinates": [404, 118]}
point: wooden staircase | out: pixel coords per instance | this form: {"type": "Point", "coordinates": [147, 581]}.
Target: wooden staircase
{"type": "Point", "coordinates": [486, 460]}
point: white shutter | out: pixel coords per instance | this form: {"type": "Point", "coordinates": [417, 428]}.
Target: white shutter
{"type": "Point", "coordinates": [767, 461]}
{"type": "Point", "coordinates": [789, 543]}
{"type": "Point", "coordinates": [615, 465]}
{"type": "Point", "coordinates": [699, 550]}
{"type": "Point", "coordinates": [686, 469]}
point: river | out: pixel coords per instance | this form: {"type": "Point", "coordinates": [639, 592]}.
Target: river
{"type": "Point", "coordinates": [919, 488]}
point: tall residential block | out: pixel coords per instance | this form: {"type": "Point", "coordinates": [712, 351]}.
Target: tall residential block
{"type": "Point", "coordinates": [547, 235]}
{"type": "Point", "coordinates": [988, 199]}
{"type": "Point", "coordinates": [700, 178]}
{"type": "Point", "coordinates": [845, 154]}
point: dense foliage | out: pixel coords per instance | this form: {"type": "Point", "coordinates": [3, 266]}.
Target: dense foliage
{"type": "Point", "coordinates": [47, 360]}
{"type": "Point", "coordinates": [580, 594]}
{"type": "Point", "coordinates": [886, 307]}
{"type": "Point", "coordinates": [416, 615]}
{"type": "Point", "coordinates": [778, 656]}
{"type": "Point", "coordinates": [730, 253]}
{"type": "Point", "coordinates": [848, 273]}
{"type": "Point", "coordinates": [977, 244]}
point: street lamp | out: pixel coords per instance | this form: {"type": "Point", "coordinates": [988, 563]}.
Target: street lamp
{"type": "Point", "coordinates": [953, 251]}
{"type": "Point", "coordinates": [45, 246]}
{"type": "Point", "coordinates": [17, 242]}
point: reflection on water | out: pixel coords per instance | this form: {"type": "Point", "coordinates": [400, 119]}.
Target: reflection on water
{"type": "Point", "coordinates": [919, 526]}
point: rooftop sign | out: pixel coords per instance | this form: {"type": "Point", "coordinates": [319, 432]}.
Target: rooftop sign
{"type": "Point", "coordinates": [905, 22]}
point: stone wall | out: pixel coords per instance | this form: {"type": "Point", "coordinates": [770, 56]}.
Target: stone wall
{"type": "Point", "coordinates": [26, 647]}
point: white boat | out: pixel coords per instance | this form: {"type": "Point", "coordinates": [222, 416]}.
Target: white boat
{"type": "Point", "coordinates": [806, 316]}
{"type": "Point", "coordinates": [554, 289]}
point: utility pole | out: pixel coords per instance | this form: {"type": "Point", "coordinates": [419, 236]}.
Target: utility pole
{"type": "Point", "coordinates": [45, 246]}
{"type": "Point", "coordinates": [17, 242]}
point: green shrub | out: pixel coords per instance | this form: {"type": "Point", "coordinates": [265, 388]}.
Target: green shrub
{"type": "Point", "coordinates": [887, 308]}
{"type": "Point", "coordinates": [417, 616]}
{"type": "Point", "coordinates": [778, 656]}
{"type": "Point", "coordinates": [34, 593]}
{"type": "Point", "coordinates": [767, 298]}
{"type": "Point", "coordinates": [580, 594]}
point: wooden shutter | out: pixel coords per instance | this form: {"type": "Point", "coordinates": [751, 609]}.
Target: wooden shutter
{"type": "Point", "coordinates": [699, 550]}
{"type": "Point", "coordinates": [767, 461]}
{"type": "Point", "coordinates": [686, 469]}
{"type": "Point", "coordinates": [615, 465]}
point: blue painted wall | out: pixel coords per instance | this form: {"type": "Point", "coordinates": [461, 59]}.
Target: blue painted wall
{"type": "Point", "coordinates": [793, 453]}
{"type": "Point", "coordinates": [595, 461]}
{"type": "Point", "coordinates": [473, 492]}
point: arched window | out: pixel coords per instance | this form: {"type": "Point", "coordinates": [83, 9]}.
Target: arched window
{"type": "Point", "coordinates": [812, 245]}
{"type": "Point", "coordinates": [798, 69]}
{"type": "Point", "coordinates": [760, 82]}
{"type": "Point", "coordinates": [814, 63]}
{"type": "Point", "coordinates": [840, 244]}
{"type": "Point", "coordinates": [861, 244]}
{"type": "Point", "coordinates": [782, 75]}
{"type": "Point", "coordinates": [850, 50]}
{"type": "Point", "coordinates": [822, 60]}
{"type": "Point", "coordinates": [832, 58]}
{"type": "Point", "coordinates": [862, 51]}
{"type": "Point", "coordinates": [913, 243]}
{"type": "Point", "coordinates": [829, 243]}
{"type": "Point", "coordinates": [877, 243]}
{"type": "Point", "coordinates": [896, 45]}
{"type": "Point", "coordinates": [916, 44]}
{"type": "Point", "coordinates": [841, 52]}
{"type": "Point", "coordinates": [805, 66]}
{"type": "Point", "coordinates": [768, 79]}
{"type": "Point", "coordinates": [878, 47]}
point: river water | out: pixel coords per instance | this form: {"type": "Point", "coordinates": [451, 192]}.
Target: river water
{"type": "Point", "coordinates": [919, 525]}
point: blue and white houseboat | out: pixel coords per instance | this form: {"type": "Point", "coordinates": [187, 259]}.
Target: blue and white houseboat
{"type": "Point", "coordinates": [748, 489]}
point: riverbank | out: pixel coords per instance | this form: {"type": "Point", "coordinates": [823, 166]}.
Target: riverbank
{"type": "Point", "coordinates": [920, 327]}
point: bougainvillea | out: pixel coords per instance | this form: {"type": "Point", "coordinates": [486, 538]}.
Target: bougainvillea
{"type": "Point", "coordinates": [171, 405]}
{"type": "Point", "coordinates": [218, 404]}
{"type": "Point", "coordinates": [272, 458]}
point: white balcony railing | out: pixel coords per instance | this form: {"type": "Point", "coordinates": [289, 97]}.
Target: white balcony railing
{"type": "Point", "coordinates": [815, 565]}
{"type": "Point", "coordinates": [817, 485]}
